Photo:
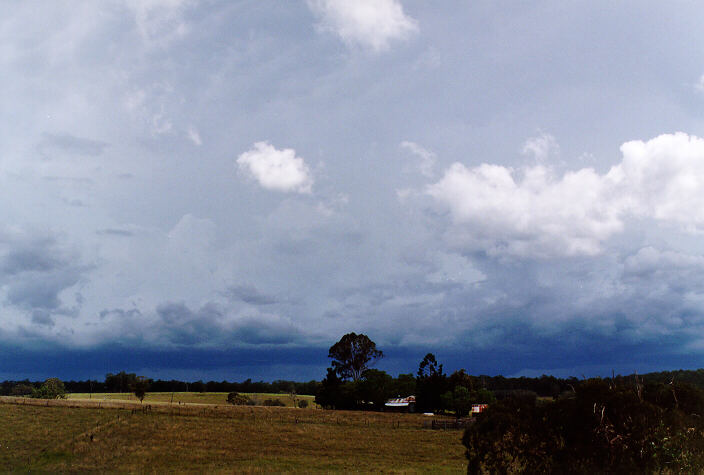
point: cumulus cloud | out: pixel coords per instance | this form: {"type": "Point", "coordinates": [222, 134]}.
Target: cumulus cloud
{"type": "Point", "coordinates": [663, 179]}
{"type": "Point", "coordinates": [277, 170]}
{"type": "Point", "coordinates": [537, 214]}
{"type": "Point", "coordinates": [534, 212]}
{"type": "Point", "coordinates": [541, 147]}
{"type": "Point", "coordinates": [372, 24]}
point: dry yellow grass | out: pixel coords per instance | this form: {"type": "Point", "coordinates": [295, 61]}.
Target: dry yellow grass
{"type": "Point", "coordinates": [191, 438]}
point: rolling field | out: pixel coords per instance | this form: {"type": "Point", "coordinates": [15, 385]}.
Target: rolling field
{"type": "Point", "coordinates": [191, 397]}
{"type": "Point", "coordinates": [77, 435]}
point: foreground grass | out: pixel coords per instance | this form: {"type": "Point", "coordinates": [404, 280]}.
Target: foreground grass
{"type": "Point", "coordinates": [243, 439]}
{"type": "Point", "coordinates": [191, 397]}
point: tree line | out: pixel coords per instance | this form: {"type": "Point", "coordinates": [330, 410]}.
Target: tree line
{"type": "Point", "coordinates": [123, 382]}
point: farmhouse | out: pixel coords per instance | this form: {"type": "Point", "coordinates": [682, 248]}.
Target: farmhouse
{"type": "Point", "coordinates": [401, 404]}
{"type": "Point", "coordinates": [478, 408]}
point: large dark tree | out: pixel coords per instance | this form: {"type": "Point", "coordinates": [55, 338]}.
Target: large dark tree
{"type": "Point", "coordinates": [352, 355]}
{"type": "Point", "coordinates": [431, 383]}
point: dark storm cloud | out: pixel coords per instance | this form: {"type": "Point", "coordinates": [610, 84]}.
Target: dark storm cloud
{"type": "Point", "coordinates": [182, 326]}
{"type": "Point", "coordinates": [209, 325]}
{"type": "Point", "coordinates": [35, 269]}
{"type": "Point", "coordinates": [258, 332]}
{"type": "Point", "coordinates": [249, 294]}
{"type": "Point", "coordinates": [38, 257]}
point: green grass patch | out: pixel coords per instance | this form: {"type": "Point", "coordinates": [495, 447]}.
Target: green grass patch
{"type": "Point", "coordinates": [192, 397]}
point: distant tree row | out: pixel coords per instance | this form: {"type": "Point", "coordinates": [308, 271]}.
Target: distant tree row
{"type": "Point", "coordinates": [123, 382]}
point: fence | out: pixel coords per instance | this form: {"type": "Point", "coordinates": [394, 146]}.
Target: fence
{"type": "Point", "coordinates": [448, 424]}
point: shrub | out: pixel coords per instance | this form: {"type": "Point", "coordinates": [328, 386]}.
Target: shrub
{"type": "Point", "coordinates": [53, 388]}
{"type": "Point", "coordinates": [273, 402]}
{"type": "Point", "coordinates": [21, 390]}
{"type": "Point", "coordinates": [603, 428]}
{"type": "Point", "coordinates": [237, 399]}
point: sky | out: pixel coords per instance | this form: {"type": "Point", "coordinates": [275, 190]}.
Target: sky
{"type": "Point", "coordinates": [222, 189]}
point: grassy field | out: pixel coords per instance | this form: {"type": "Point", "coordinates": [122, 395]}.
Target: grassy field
{"type": "Point", "coordinates": [70, 436]}
{"type": "Point", "coordinates": [192, 397]}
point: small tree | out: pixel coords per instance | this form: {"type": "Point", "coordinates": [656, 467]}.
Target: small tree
{"type": "Point", "coordinates": [140, 387]}
{"type": "Point", "coordinates": [292, 394]}
{"type": "Point", "coordinates": [352, 355]}
{"type": "Point", "coordinates": [53, 388]}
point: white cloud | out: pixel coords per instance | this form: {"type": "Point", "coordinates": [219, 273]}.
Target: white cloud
{"type": "Point", "coordinates": [663, 178]}
{"type": "Point", "coordinates": [194, 136]}
{"type": "Point", "coordinates": [541, 147]}
{"type": "Point", "coordinates": [533, 212]}
{"type": "Point", "coordinates": [536, 214]}
{"type": "Point", "coordinates": [427, 158]}
{"type": "Point", "coordinates": [278, 170]}
{"type": "Point", "coordinates": [369, 23]}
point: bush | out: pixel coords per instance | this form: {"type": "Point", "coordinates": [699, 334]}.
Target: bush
{"type": "Point", "coordinates": [603, 428]}
{"type": "Point", "coordinates": [302, 403]}
{"type": "Point", "coordinates": [53, 388]}
{"type": "Point", "coordinates": [274, 402]}
{"type": "Point", "coordinates": [238, 399]}
{"type": "Point", "coordinates": [21, 390]}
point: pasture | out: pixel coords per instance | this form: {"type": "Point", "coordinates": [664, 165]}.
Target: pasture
{"type": "Point", "coordinates": [192, 397]}
{"type": "Point", "coordinates": [102, 435]}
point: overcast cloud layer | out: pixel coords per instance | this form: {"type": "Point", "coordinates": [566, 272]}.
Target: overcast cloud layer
{"type": "Point", "coordinates": [221, 189]}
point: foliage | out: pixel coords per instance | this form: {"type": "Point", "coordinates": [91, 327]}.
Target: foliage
{"type": "Point", "coordinates": [120, 382]}
{"type": "Point", "coordinates": [483, 396]}
{"type": "Point", "coordinates": [140, 387]}
{"type": "Point", "coordinates": [237, 399]}
{"type": "Point", "coordinates": [405, 385]}
{"type": "Point", "coordinates": [53, 388]}
{"type": "Point", "coordinates": [376, 387]}
{"type": "Point", "coordinates": [334, 393]}
{"type": "Point", "coordinates": [460, 378]}
{"type": "Point", "coordinates": [22, 389]}
{"type": "Point", "coordinates": [431, 384]}
{"type": "Point", "coordinates": [352, 355]}
{"type": "Point", "coordinates": [602, 427]}
{"type": "Point", "coordinates": [458, 401]}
